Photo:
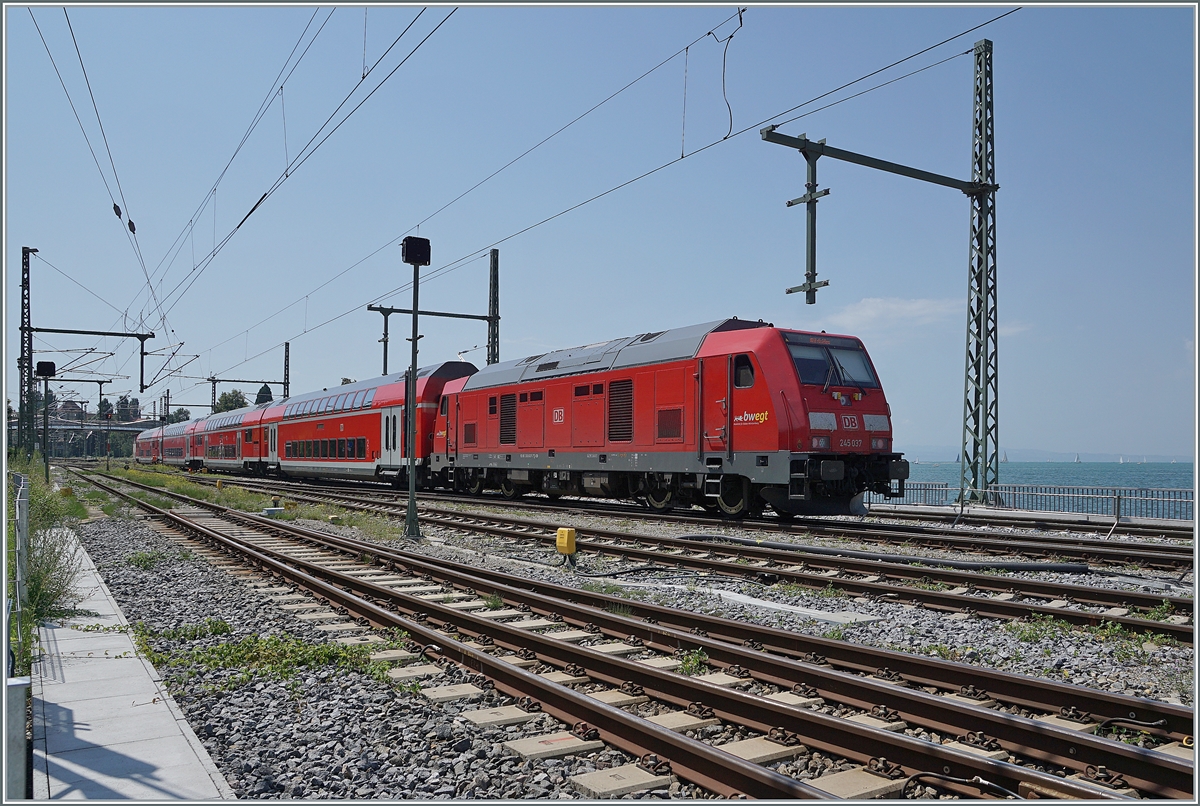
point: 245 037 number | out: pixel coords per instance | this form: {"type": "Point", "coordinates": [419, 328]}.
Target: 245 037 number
{"type": "Point", "coordinates": [850, 443]}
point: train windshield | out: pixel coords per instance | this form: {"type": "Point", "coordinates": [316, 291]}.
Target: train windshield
{"type": "Point", "coordinates": [853, 367]}
{"type": "Point", "coordinates": [840, 366]}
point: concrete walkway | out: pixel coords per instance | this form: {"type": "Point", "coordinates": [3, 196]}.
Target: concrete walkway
{"type": "Point", "coordinates": [104, 727]}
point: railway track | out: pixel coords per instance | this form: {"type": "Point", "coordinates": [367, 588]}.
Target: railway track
{"type": "Point", "coordinates": [928, 585]}
{"type": "Point", "coordinates": [1176, 553]}
{"type": "Point", "coordinates": [938, 696]}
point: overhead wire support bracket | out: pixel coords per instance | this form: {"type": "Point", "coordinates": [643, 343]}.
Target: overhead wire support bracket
{"type": "Point", "coordinates": [812, 150]}
{"type": "Point", "coordinates": [141, 337]}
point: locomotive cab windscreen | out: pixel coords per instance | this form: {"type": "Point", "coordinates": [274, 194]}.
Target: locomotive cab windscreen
{"type": "Point", "coordinates": [831, 361]}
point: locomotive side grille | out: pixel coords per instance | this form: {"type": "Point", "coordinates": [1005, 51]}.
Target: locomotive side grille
{"type": "Point", "coordinates": [670, 424]}
{"type": "Point", "coordinates": [508, 419]}
{"type": "Point", "coordinates": [620, 411]}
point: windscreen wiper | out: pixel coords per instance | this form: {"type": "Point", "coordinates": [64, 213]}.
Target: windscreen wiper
{"type": "Point", "coordinates": [846, 374]}
{"type": "Point", "coordinates": [828, 378]}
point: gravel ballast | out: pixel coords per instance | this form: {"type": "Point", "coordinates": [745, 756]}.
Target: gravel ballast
{"type": "Point", "coordinates": [325, 732]}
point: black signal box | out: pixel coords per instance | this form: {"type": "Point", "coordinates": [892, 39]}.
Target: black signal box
{"type": "Point", "coordinates": [415, 251]}
{"type": "Point", "coordinates": [45, 369]}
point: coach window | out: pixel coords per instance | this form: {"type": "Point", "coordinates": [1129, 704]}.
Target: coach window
{"type": "Point", "coordinates": [249, 437]}
{"type": "Point", "coordinates": [341, 403]}
{"type": "Point", "coordinates": [324, 449]}
{"type": "Point", "coordinates": [341, 449]}
{"type": "Point", "coordinates": [366, 401]}
{"type": "Point", "coordinates": [361, 453]}
{"type": "Point", "coordinates": [743, 372]}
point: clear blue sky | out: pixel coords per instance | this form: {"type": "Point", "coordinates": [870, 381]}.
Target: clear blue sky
{"type": "Point", "coordinates": [1095, 144]}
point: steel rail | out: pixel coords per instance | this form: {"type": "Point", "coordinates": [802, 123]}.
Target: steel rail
{"type": "Point", "coordinates": [833, 735]}
{"type": "Point", "coordinates": [952, 602]}
{"type": "Point", "coordinates": [693, 760]}
{"type": "Point", "coordinates": [881, 568]}
{"type": "Point", "coordinates": [936, 600]}
{"type": "Point", "coordinates": [1083, 594]}
{"type": "Point", "coordinates": [1159, 555]}
{"type": "Point", "coordinates": [1143, 769]}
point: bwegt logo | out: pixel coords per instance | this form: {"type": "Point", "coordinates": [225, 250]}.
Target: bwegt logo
{"type": "Point", "coordinates": [751, 417]}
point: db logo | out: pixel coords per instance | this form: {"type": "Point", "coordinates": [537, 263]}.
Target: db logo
{"type": "Point", "coordinates": [558, 415]}
{"type": "Point", "coordinates": [850, 422]}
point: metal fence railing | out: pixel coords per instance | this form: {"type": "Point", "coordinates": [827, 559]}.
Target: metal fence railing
{"type": "Point", "coordinates": [16, 768]}
{"type": "Point", "coordinates": [1114, 502]}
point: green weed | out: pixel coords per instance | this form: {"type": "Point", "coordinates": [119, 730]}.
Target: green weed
{"type": "Point", "coordinates": [693, 662]}
{"type": "Point", "coordinates": [146, 560]}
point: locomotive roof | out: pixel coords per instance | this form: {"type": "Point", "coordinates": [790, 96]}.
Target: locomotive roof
{"type": "Point", "coordinates": [631, 351]}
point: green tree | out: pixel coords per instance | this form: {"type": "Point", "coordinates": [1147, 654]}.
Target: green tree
{"type": "Point", "coordinates": [123, 411]}
{"type": "Point", "coordinates": [179, 416]}
{"type": "Point", "coordinates": [105, 407]}
{"type": "Point", "coordinates": [264, 395]}
{"type": "Point", "coordinates": [228, 401]}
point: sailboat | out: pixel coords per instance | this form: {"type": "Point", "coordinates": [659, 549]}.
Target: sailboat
{"type": "Point", "coordinates": [1077, 459]}
{"type": "Point", "coordinates": [1121, 461]}
{"type": "Point", "coordinates": [1004, 458]}
{"type": "Point", "coordinates": [958, 457]}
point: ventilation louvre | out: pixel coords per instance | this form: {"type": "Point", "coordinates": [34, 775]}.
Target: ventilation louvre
{"type": "Point", "coordinates": [620, 411]}
{"type": "Point", "coordinates": [670, 424]}
{"type": "Point", "coordinates": [508, 419]}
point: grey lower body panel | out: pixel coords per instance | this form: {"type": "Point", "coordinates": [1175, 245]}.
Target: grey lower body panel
{"type": "Point", "coordinates": [770, 467]}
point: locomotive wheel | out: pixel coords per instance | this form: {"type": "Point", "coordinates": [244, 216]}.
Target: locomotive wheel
{"type": "Point", "coordinates": [659, 500]}
{"type": "Point", "coordinates": [734, 500]}
{"type": "Point", "coordinates": [475, 485]}
{"type": "Point", "coordinates": [510, 490]}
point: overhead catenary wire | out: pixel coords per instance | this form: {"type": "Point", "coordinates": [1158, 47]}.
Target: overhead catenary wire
{"type": "Point", "coordinates": [82, 129]}
{"type": "Point", "coordinates": [490, 176]}
{"type": "Point", "coordinates": [187, 282]}
{"type": "Point", "coordinates": [478, 253]}
{"type": "Point", "coordinates": [258, 115]}
{"type": "Point", "coordinates": [116, 176]}
{"type": "Point", "coordinates": [76, 282]}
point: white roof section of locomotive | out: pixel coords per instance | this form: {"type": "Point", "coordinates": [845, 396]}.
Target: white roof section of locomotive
{"type": "Point", "coordinates": [632, 351]}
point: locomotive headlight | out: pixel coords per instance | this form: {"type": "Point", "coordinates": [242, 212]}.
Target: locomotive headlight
{"type": "Point", "coordinates": [820, 443]}
{"type": "Point", "coordinates": [879, 443]}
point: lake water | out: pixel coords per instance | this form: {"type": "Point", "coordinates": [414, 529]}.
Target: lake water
{"type": "Point", "coordinates": [1068, 474]}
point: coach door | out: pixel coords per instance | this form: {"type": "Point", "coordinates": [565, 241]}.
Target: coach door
{"type": "Point", "coordinates": [715, 392]}
{"type": "Point", "coordinates": [390, 436]}
{"type": "Point", "coordinates": [272, 447]}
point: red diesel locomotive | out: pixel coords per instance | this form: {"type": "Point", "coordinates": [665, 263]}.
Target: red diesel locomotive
{"type": "Point", "coordinates": [732, 415]}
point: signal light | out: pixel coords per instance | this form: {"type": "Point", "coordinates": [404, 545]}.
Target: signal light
{"type": "Point", "coordinates": [820, 443]}
{"type": "Point", "coordinates": [879, 444]}
{"type": "Point", "coordinates": [415, 251]}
